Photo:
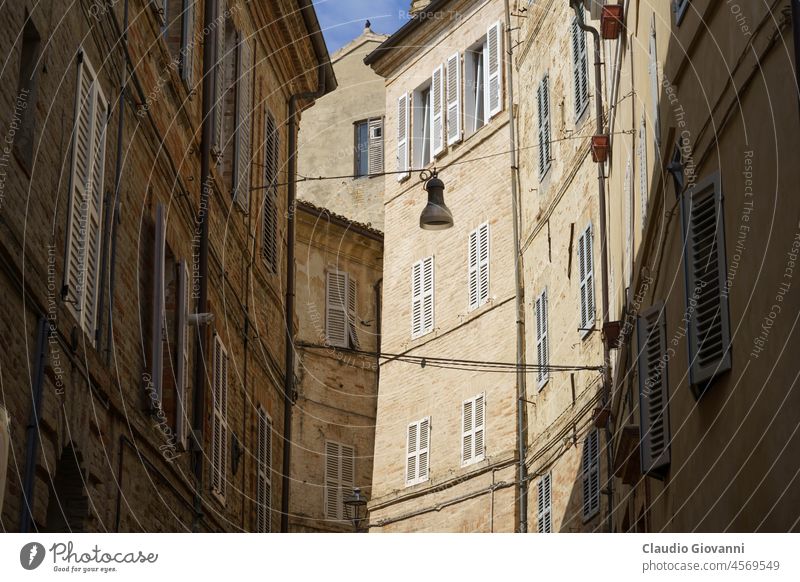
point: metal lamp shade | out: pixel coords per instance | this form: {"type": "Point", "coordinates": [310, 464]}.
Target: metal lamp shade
{"type": "Point", "coordinates": [436, 215]}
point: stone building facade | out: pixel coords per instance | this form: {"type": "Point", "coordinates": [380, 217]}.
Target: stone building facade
{"type": "Point", "coordinates": [103, 197]}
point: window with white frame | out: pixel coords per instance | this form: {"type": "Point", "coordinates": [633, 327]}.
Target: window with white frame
{"type": "Point", "coordinates": [590, 472]}
{"type": "Point", "coordinates": [478, 263]}
{"type": "Point", "coordinates": [339, 479]}
{"type": "Point", "coordinates": [341, 294]}
{"type": "Point", "coordinates": [545, 503]}
{"type": "Point", "coordinates": [417, 451]}
{"type": "Point", "coordinates": [483, 79]}
{"type": "Point", "coordinates": [473, 430]}
{"type": "Point", "coordinates": [580, 69]}
{"type": "Point", "coordinates": [543, 103]}
{"type": "Point", "coordinates": [264, 473]}
{"type": "Point", "coordinates": [84, 229]}
{"type": "Point", "coordinates": [219, 424]}
{"type": "Point", "coordinates": [586, 275]}
{"type": "Point", "coordinates": [368, 147]}
{"type": "Point", "coordinates": [269, 230]}
{"type": "Point", "coordinates": [542, 341]}
{"type": "Point", "coordinates": [422, 297]}
{"type": "Point", "coordinates": [421, 125]}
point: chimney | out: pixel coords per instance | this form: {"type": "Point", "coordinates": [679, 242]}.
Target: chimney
{"type": "Point", "coordinates": [418, 5]}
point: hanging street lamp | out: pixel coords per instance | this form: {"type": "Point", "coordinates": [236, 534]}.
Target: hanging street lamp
{"type": "Point", "coordinates": [436, 215]}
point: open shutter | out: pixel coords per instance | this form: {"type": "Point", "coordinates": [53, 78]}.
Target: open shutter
{"type": "Point", "coordinates": [590, 466]}
{"type": "Point", "coordinates": [219, 428]}
{"type": "Point", "coordinates": [270, 219]}
{"type": "Point", "coordinates": [494, 89]}
{"type": "Point", "coordinates": [643, 174]}
{"type": "Point", "coordinates": [186, 54]}
{"type": "Point", "coordinates": [437, 110]}
{"type": "Point", "coordinates": [219, 78]}
{"type": "Point", "coordinates": [402, 137]}
{"type": "Point", "coordinates": [709, 331]}
{"type": "Point", "coordinates": [542, 347]}
{"type": "Point", "coordinates": [544, 499]}
{"type": "Point", "coordinates": [655, 92]}
{"type": "Point", "coordinates": [453, 99]}
{"type": "Point", "coordinates": [627, 188]}
{"type": "Point", "coordinates": [159, 313]}
{"type": "Point", "coordinates": [336, 307]}
{"type": "Point", "coordinates": [543, 103]}
{"type": "Point", "coordinates": [244, 100]}
{"type": "Point", "coordinates": [264, 477]}
{"type": "Point", "coordinates": [653, 391]}
{"type": "Point", "coordinates": [586, 271]}
{"type": "Point", "coordinates": [375, 146]}
{"type": "Point", "coordinates": [352, 312]}
{"type": "Point", "coordinates": [182, 349]}
{"type": "Point", "coordinates": [579, 68]}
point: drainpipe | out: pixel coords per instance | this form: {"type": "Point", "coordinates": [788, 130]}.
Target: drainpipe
{"type": "Point", "coordinates": [601, 188]}
{"type": "Point", "coordinates": [288, 381]}
{"type": "Point", "coordinates": [522, 432]}
{"type": "Point", "coordinates": [202, 268]}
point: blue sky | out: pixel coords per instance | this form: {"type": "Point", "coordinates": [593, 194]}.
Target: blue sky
{"type": "Point", "coordinates": [343, 20]}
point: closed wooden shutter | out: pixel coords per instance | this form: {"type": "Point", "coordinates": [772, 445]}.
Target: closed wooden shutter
{"type": "Point", "coordinates": [264, 473]}
{"type": "Point", "coordinates": [705, 267]}
{"type": "Point", "coordinates": [219, 427]}
{"type": "Point", "coordinates": [543, 102]}
{"type": "Point", "coordinates": [590, 469]}
{"type": "Point", "coordinates": [339, 479]}
{"type": "Point", "coordinates": [271, 166]}
{"type": "Point", "coordinates": [655, 92]}
{"type": "Point", "coordinates": [220, 85]}
{"type": "Point", "coordinates": [580, 72]}
{"type": "Point", "coordinates": [478, 266]}
{"type": "Point", "coordinates": [352, 312]}
{"type": "Point", "coordinates": [586, 272]}
{"type": "Point", "coordinates": [542, 342]}
{"type": "Point", "coordinates": [402, 137]}
{"type": "Point", "coordinates": [81, 272]}
{"type": "Point", "coordinates": [182, 349]}
{"type": "Point", "coordinates": [473, 430]}
{"type": "Point", "coordinates": [653, 391]}
{"type": "Point", "coordinates": [417, 451]}
{"type": "Point", "coordinates": [545, 503]}
{"type": "Point", "coordinates": [494, 63]}
{"type": "Point", "coordinates": [437, 110]}
{"type": "Point", "coordinates": [336, 308]}
{"type": "Point", "coordinates": [375, 146]}
{"type": "Point", "coordinates": [453, 99]}
{"type": "Point", "coordinates": [643, 172]}
{"type": "Point", "coordinates": [244, 100]}
{"type": "Point", "coordinates": [159, 310]}
{"type": "Point", "coordinates": [186, 55]}
{"type": "Point", "coordinates": [422, 297]}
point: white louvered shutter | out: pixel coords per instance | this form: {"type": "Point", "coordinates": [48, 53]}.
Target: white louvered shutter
{"type": "Point", "coordinates": [472, 273]}
{"type": "Point", "coordinates": [627, 189]}
{"type": "Point", "coordinates": [347, 478]}
{"type": "Point", "coordinates": [473, 430]}
{"type": "Point", "coordinates": [417, 450]}
{"type": "Point", "coordinates": [244, 100]}
{"type": "Point", "coordinates": [709, 328]}
{"type": "Point", "coordinates": [352, 312]}
{"type": "Point", "coordinates": [654, 86]}
{"type": "Point", "coordinates": [422, 298]}
{"type": "Point", "coordinates": [219, 427]}
{"type": "Point", "coordinates": [545, 503]}
{"type": "Point", "coordinates": [264, 473]}
{"type": "Point", "coordinates": [402, 137]}
{"type": "Point", "coordinates": [336, 308]}
{"type": "Point", "coordinates": [580, 64]}
{"type": "Point", "coordinates": [590, 469]}
{"type": "Point", "coordinates": [182, 349]}
{"type": "Point", "coordinates": [159, 309]}
{"type": "Point", "coordinates": [416, 300]}
{"type": "Point", "coordinates": [653, 391]}
{"type": "Point", "coordinates": [437, 110]}
{"type": "Point", "coordinates": [543, 103]}
{"type": "Point", "coordinates": [586, 272]}
{"type": "Point", "coordinates": [219, 78]}
{"type": "Point", "coordinates": [331, 490]}
{"type": "Point", "coordinates": [186, 57]}
{"type": "Point", "coordinates": [427, 295]}
{"type": "Point", "coordinates": [375, 146]}
{"type": "Point", "coordinates": [453, 93]}
{"type": "Point", "coordinates": [478, 266]}
{"type": "Point", "coordinates": [542, 345]}
{"type": "Point", "coordinates": [270, 218]}
{"type": "Point", "coordinates": [643, 173]}
{"type": "Point", "coordinates": [494, 62]}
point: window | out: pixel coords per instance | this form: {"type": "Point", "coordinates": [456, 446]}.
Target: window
{"type": "Point", "coordinates": [417, 450]}
{"type": "Point", "coordinates": [219, 425]}
{"type": "Point", "coordinates": [453, 99]}
{"type": "Point", "coordinates": [159, 308]}
{"type": "Point", "coordinates": [339, 479]}
{"type": "Point", "coordinates": [590, 469]}
{"type": "Point", "coordinates": [680, 7]}
{"type": "Point", "coordinates": [27, 91]}
{"type": "Point", "coordinates": [220, 85]}
{"type": "Point", "coordinates": [86, 198]}
{"type": "Point", "coordinates": [182, 353]}
{"type": "Point", "coordinates": [543, 101]}
{"type": "Point", "coordinates": [545, 503]}
{"type": "Point", "coordinates": [483, 79]}
{"type": "Point", "coordinates": [269, 247]}
{"type": "Point", "coordinates": [478, 275]}
{"type": "Point", "coordinates": [542, 342]}
{"type": "Point", "coordinates": [243, 119]}
{"type": "Point", "coordinates": [341, 293]}
{"type": "Point", "coordinates": [422, 300]}
{"type": "Point", "coordinates": [643, 174]}
{"type": "Point", "coordinates": [627, 193]}
{"type": "Point", "coordinates": [421, 149]}
{"type": "Point", "coordinates": [369, 147]}
{"type": "Point", "coordinates": [186, 53]}
{"type": "Point", "coordinates": [473, 430]}
{"type": "Point", "coordinates": [653, 391]}
{"type": "Point", "coordinates": [264, 473]}
{"type": "Point", "coordinates": [654, 85]}
{"type": "Point", "coordinates": [580, 68]}
{"type": "Point", "coordinates": [403, 155]}
{"type": "Point", "coordinates": [586, 272]}
{"type": "Point", "coordinates": [705, 267]}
